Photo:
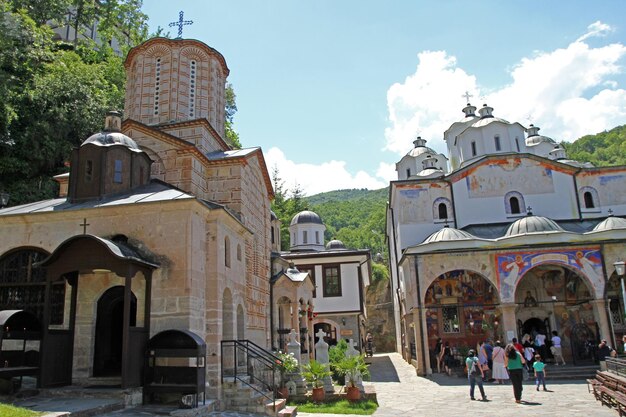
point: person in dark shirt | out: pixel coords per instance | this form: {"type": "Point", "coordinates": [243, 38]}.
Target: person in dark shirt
{"type": "Point", "coordinates": [604, 351]}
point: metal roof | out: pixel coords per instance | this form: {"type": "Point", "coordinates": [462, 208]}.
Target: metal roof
{"type": "Point", "coordinates": [154, 191]}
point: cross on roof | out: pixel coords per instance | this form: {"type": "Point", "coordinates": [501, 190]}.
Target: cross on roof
{"type": "Point", "coordinates": [467, 96]}
{"type": "Point", "coordinates": [180, 23]}
{"type": "Point", "coordinates": [84, 224]}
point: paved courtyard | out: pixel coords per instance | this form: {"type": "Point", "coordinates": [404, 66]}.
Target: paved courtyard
{"type": "Point", "coordinates": [402, 393]}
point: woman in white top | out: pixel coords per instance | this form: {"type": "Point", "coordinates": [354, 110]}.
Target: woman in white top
{"type": "Point", "coordinates": [500, 373]}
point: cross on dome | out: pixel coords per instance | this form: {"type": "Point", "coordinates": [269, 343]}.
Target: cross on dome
{"type": "Point", "coordinates": [180, 23]}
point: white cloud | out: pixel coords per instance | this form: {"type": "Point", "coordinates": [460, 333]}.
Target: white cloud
{"type": "Point", "coordinates": [568, 92]}
{"type": "Point", "coordinates": [328, 176]}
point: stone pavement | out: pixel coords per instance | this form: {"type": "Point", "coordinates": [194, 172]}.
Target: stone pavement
{"type": "Point", "coordinates": [402, 394]}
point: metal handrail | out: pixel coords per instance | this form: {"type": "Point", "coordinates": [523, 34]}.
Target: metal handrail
{"type": "Point", "coordinates": [616, 366]}
{"type": "Point", "coordinates": [256, 357]}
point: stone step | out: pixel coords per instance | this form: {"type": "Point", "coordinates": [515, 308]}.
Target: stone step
{"type": "Point", "coordinates": [288, 411]}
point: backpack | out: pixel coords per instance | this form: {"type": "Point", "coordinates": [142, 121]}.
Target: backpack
{"type": "Point", "coordinates": [473, 370]}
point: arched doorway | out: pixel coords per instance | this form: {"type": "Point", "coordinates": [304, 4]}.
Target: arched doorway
{"type": "Point", "coordinates": [107, 359]}
{"type": "Point", "coordinates": [461, 306]}
{"type": "Point", "coordinates": [553, 297]}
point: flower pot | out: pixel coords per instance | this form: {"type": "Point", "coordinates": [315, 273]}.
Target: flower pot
{"type": "Point", "coordinates": [318, 395]}
{"type": "Point", "coordinates": [353, 393]}
{"type": "Point", "coordinates": [283, 392]}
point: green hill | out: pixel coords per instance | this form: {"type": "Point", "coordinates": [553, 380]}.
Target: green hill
{"type": "Point", "coordinates": [602, 149]}
{"type": "Point", "coordinates": [356, 217]}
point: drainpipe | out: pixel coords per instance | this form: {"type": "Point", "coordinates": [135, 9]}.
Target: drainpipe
{"type": "Point", "coordinates": [456, 224]}
{"type": "Point", "coordinates": [395, 266]}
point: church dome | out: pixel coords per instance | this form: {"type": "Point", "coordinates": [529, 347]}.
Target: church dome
{"type": "Point", "coordinates": [447, 234]}
{"type": "Point", "coordinates": [111, 138]}
{"type": "Point", "coordinates": [430, 173]}
{"type": "Point", "coordinates": [420, 148]}
{"type": "Point", "coordinates": [305, 217]}
{"type": "Point", "coordinates": [335, 244]}
{"type": "Point", "coordinates": [532, 224]}
{"type": "Point", "coordinates": [610, 223]}
{"type": "Point", "coordinates": [537, 139]}
{"type": "Point", "coordinates": [273, 216]}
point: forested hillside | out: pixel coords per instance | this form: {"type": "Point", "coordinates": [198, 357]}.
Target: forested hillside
{"type": "Point", "coordinates": [605, 148]}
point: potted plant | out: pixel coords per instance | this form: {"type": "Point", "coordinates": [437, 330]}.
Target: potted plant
{"type": "Point", "coordinates": [352, 367]}
{"type": "Point", "coordinates": [314, 374]}
{"type": "Point", "coordinates": [286, 364]}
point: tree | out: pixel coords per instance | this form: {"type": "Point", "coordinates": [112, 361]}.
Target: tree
{"type": "Point", "coordinates": [231, 109]}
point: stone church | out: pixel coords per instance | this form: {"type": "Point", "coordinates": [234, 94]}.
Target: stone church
{"type": "Point", "coordinates": [160, 225]}
{"type": "Point", "coordinates": [504, 237]}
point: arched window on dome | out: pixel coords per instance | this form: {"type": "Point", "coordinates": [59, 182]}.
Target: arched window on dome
{"type": "Point", "coordinates": [442, 208]}
{"type": "Point", "coordinates": [590, 199]}
{"type": "Point", "coordinates": [514, 204]}
{"type": "Point", "coordinates": [473, 148]}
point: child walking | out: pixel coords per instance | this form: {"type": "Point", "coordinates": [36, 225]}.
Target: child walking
{"type": "Point", "coordinates": [540, 372]}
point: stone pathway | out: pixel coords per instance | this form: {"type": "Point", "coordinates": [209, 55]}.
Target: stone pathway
{"type": "Point", "coordinates": [402, 394]}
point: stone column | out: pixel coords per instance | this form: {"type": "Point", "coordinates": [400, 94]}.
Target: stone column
{"type": "Point", "coordinates": [509, 323]}
{"type": "Point", "coordinates": [321, 355]}
{"type": "Point", "coordinates": [599, 311]}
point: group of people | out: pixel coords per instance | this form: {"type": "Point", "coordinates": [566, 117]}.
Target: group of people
{"type": "Point", "coordinates": [507, 363]}
{"type": "Point", "coordinates": [498, 363]}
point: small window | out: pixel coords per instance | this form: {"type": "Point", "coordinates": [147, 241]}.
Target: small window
{"type": "Point", "coordinates": [517, 144]}
{"type": "Point", "coordinates": [514, 202]}
{"type": "Point", "coordinates": [305, 237]}
{"type": "Point", "coordinates": [239, 252]}
{"type": "Point", "coordinates": [317, 237]}
{"type": "Point", "coordinates": [443, 211]}
{"type": "Point", "coordinates": [273, 238]}
{"type": "Point", "coordinates": [141, 175]}
{"type": "Point", "coordinates": [473, 148]}
{"type": "Point", "coordinates": [88, 170]}
{"type": "Point", "coordinates": [227, 251]}
{"type": "Point", "coordinates": [588, 197]}
{"type": "Point", "coordinates": [496, 140]}
{"type": "Point", "coordinates": [408, 172]}
{"type": "Point", "coordinates": [117, 175]}
{"type": "Point", "coordinates": [450, 317]}
{"type": "Point", "coordinates": [331, 282]}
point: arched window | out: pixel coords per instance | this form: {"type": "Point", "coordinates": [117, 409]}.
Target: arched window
{"type": "Point", "coordinates": [443, 211]}
{"type": "Point", "coordinates": [239, 252]}
{"type": "Point", "coordinates": [474, 149]}
{"type": "Point", "coordinates": [442, 208]}
{"type": "Point", "coordinates": [227, 251]}
{"type": "Point", "coordinates": [589, 198]}
{"type": "Point", "coordinates": [514, 203]}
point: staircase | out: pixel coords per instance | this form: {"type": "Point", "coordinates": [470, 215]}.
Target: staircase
{"type": "Point", "coordinates": [571, 372]}
{"type": "Point", "coordinates": [250, 377]}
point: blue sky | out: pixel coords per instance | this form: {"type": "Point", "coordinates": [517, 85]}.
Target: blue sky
{"type": "Point", "coordinates": [336, 91]}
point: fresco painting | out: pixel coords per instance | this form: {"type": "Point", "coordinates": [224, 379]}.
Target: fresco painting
{"type": "Point", "coordinates": [512, 266]}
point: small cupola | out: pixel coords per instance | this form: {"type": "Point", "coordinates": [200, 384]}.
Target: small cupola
{"type": "Point", "coordinates": [419, 142]}
{"type": "Point", "coordinates": [533, 131]}
{"type": "Point", "coordinates": [113, 122]}
{"type": "Point", "coordinates": [469, 110]}
{"type": "Point", "coordinates": [557, 153]}
{"type": "Point", "coordinates": [485, 111]}
{"type": "Point", "coordinates": [429, 162]}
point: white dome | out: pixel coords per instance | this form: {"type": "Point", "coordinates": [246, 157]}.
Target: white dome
{"type": "Point", "coordinates": [532, 224]}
